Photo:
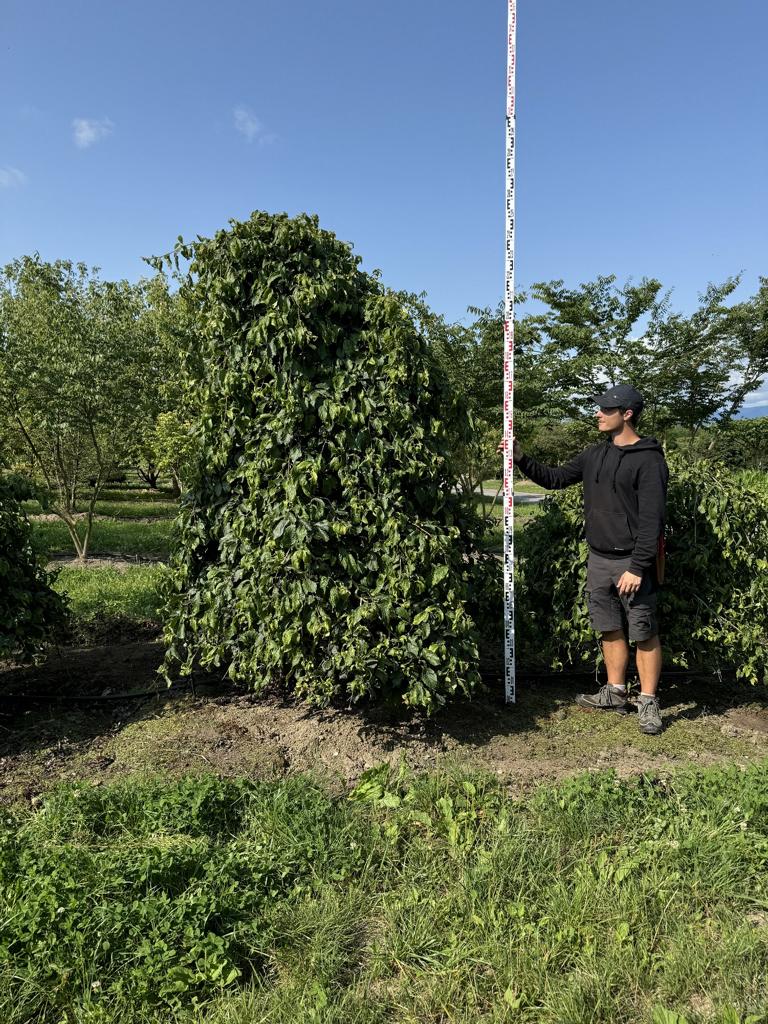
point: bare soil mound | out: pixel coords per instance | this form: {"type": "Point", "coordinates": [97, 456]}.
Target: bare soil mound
{"type": "Point", "coordinates": [72, 719]}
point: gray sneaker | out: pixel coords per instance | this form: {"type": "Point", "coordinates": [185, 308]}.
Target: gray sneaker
{"type": "Point", "coordinates": [648, 715]}
{"type": "Point", "coordinates": [607, 698]}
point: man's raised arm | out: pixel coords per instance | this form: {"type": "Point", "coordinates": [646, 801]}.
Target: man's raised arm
{"type": "Point", "coordinates": [554, 478]}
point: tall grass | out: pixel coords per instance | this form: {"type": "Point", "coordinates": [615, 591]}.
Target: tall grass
{"type": "Point", "coordinates": [430, 899]}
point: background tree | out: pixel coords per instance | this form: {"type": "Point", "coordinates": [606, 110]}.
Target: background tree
{"type": "Point", "coordinates": [693, 370]}
{"type": "Point", "coordinates": [164, 422]}
{"type": "Point", "coordinates": [471, 357]}
{"type": "Point", "coordinates": [739, 443]}
{"type": "Point", "coordinates": [73, 352]}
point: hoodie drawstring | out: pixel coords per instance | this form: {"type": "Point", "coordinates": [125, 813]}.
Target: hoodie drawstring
{"type": "Point", "coordinates": [622, 452]}
{"type": "Point", "coordinates": [602, 460]}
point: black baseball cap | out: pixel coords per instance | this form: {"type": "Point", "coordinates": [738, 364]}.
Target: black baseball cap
{"type": "Point", "coordinates": [623, 395]}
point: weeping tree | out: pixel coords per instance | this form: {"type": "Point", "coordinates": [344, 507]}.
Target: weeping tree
{"type": "Point", "coordinates": [320, 545]}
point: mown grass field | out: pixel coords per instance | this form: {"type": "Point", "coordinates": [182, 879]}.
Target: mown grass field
{"type": "Point", "coordinates": [109, 536]}
{"type": "Point", "coordinates": [428, 899]}
{"type": "Point", "coordinates": [133, 508]}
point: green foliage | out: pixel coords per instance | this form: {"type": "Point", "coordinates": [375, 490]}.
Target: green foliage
{"type": "Point", "coordinates": [31, 613]}
{"type": "Point", "coordinates": [75, 356]}
{"type": "Point", "coordinates": [755, 480]}
{"type": "Point", "coordinates": [320, 545]}
{"type": "Point", "coordinates": [104, 597]}
{"type": "Point", "coordinates": [174, 447]}
{"type": "Point", "coordinates": [163, 421]}
{"type": "Point", "coordinates": [556, 443]}
{"type": "Point", "coordinates": [713, 606]}
{"type": "Point", "coordinates": [691, 369]}
{"type": "Point", "coordinates": [150, 894]}
{"type": "Point", "coordinates": [212, 901]}
{"type": "Point", "coordinates": [742, 444]}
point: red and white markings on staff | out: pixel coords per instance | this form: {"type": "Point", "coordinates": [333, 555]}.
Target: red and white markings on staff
{"type": "Point", "coordinates": [509, 365]}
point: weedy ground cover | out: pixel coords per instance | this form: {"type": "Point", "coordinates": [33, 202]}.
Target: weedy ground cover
{"type": "Point", "coordinates": [411, 899]}
{"type": "Point", "coordinates": [756, 479]}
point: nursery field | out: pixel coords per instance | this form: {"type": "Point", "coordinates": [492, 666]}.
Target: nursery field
{"type": "Point", "coordinates": [200, 854]}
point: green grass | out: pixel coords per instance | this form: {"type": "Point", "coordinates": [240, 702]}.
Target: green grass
{"type": "Point", "coordinates": [757, 479]}
{"type": "Point", "coordinates": [429, 899]}
{"type": "Point", "coordinates": [494, 537]}
{"type": "Point", "coordinates": [115, 536]}
{"type": "Point", "coordinates": [136, 508]}
{"type": "Point", "coordinates": [133, 493]}
{"type": "Point", "coordinates": [522, 486]}
{"type": "Point", "coordinates": [97, 594]}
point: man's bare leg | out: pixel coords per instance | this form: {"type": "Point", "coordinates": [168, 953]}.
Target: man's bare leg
{"type": "Point", "coordinates": [616, 656]}
{"type": "Point", "coordinates": [648, 657]}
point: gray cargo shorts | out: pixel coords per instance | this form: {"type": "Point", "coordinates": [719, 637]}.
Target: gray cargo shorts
{"type": "Point", "coordinates": [608, 610]}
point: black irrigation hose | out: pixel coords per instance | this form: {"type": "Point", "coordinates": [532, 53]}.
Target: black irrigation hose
{"type": "Point", "coordinates": [51, 697]}
{"type": "Point", "coordinates": [135, 694]}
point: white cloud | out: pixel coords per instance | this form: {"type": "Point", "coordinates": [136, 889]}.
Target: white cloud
{"type": "Point", "coordinates": [757, 398]}
{"type": "Point", "coordinates": [86, 131]}
{"type": "Point", "coordinates": [251, 127]}
{"type": "Point", "coordinates": [10, 177]}
{"type": "Point", "coordinates": [754, 398]}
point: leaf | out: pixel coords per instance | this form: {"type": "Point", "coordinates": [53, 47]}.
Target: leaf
{"type": "Point", "coordinates": [662, 1016]}
{"type": "Point", "coordinates": [279, 529]}
{"type": "Point", "coordinates": [439, 574]}
{"type": "Point", "coordinates": [513, 998]}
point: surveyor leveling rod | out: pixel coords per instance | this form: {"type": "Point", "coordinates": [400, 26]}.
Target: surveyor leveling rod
{"type": "Point", "coordinates": [509, 367]}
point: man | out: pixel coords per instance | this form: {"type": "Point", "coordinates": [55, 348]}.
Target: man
{"type": "Point", "coordinates": [625, 487]}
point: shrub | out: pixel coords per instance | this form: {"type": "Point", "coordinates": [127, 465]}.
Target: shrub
{"type": "Point", "coordinates": [31, 613]}
{"type": "Point", "coordinates": [320, 545]}
{"type": "Point", "coordinates": [713, 607]}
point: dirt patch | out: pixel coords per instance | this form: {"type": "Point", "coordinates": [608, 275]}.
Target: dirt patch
{"type": "Point", "coordinates": [206, 723]}
{"type": "Point", "coordinates": [751, 718]}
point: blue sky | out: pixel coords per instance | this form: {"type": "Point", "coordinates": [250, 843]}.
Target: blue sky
{"type": "Point", "coordinates": [642, 138]}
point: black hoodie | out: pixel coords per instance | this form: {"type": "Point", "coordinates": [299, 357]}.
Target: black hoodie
{"type": "Point", "coordinates": [625, 492]}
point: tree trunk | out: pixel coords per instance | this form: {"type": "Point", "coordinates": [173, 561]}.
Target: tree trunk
{"type": "Point", "coordinates": [150, 476]}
